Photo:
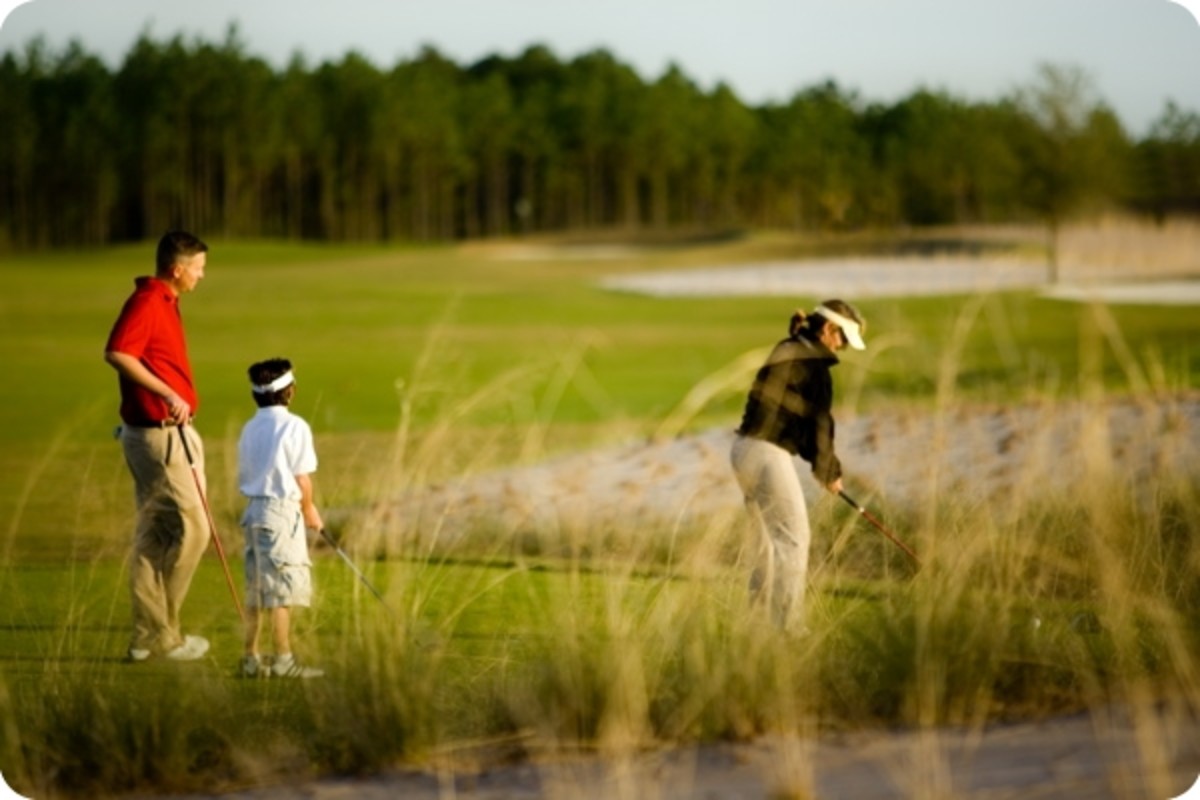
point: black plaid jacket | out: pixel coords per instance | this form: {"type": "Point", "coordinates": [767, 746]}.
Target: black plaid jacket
{"type": "Point", "coordinates": [790, 402]}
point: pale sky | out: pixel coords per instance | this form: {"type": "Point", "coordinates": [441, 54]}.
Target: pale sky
{"type": "Point", "coordinates": [1138, 53]}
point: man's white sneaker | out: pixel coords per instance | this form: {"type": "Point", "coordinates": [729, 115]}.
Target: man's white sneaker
{"type": "Point", "coordinates": [288, 667]}
{"type": "Point", "coordinates": [136, 654]}
{"type": "Point", "coordinates": [193, 647]}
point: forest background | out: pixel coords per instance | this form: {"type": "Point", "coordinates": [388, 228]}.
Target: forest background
{"type": "Point", "coordinates": [431, 150]}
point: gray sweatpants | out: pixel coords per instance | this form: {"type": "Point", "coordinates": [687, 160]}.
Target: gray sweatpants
{"type": "Point", "coordinates": [767, 475]}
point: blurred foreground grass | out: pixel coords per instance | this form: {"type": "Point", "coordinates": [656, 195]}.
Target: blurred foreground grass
{"type": "Point", "coordinates": [1085, 602]}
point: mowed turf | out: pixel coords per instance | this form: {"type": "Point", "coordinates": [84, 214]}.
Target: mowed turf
{"type": "Point", "coordinates": [489, 353]}
{"type": "Point", "coordinates": [483, 349]}
{"type": "Point", "coordinates": [418, 364]}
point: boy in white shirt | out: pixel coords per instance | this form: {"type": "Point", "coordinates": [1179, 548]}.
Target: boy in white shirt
{"type": "Point", "coordinates": [275, 461]}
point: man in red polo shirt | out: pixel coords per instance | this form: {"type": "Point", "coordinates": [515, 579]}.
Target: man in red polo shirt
{"type": "Point", "coordinates": [149, 352]}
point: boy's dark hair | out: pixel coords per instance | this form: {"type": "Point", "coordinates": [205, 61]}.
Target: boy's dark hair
{"type": "Point", "coordinates": [263, 373]}
{"type": "Point", "coordinates": [175, 245]}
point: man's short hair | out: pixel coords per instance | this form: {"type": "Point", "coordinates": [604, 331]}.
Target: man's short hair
{"type": "Point", "coordinates": [175, 245]}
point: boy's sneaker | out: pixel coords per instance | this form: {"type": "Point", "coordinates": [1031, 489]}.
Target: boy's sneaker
{"type": "Point", "coordinates": [252, 668]}
{"type": "Point", "coordinates": [137, 654]}
{"type": "Point", "coordinates": [288, 667]}
{"type": "Point", "coordinates": [193, 647]}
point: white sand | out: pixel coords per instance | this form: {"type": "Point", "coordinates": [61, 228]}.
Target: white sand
{"type": "Point", "coordinates": [861, 278]}
{"type": "Point", "coordinates": [1162, 293]}
{"type": "Point", "coordinates": [901, 458]}
{"type": "Point", "coordinates": [850, 278]}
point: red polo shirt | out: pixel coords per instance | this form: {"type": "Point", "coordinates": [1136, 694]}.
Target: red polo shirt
{"type": "Point", "coordinates": [151, 330]}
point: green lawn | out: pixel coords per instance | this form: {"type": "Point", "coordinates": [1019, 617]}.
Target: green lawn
{"type": "Point", "coordinates": [417, 339]}
{"type": "Point", "coordinates": [446, 355]}
{"type": "Point", "coordinates": [471, 352]}
{"type": "Point", "coordinates": [446, 322]}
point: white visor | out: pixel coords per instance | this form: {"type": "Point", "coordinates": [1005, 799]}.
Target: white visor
{"type": "Point", "coordinates": [282, 382]}
{"type": "Point", "coordinates": [851, 329]}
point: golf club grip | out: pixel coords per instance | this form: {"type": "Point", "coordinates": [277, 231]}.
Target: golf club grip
{"type": "Point", "coordinates": [850, 500]}
{"type": "Point", "coordinates": [187, 448]}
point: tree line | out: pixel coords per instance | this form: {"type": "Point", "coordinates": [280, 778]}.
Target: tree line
{"type": "Point", "coordinates": [207, 136]}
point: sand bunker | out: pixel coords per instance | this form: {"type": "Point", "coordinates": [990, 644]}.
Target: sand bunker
{"type": "Point", "coordinates": [1165, 293]}
{"type": "Point", "coordinates": [861, 278]}
{"type": "Point", "coordinates": [900, 458]}
{"type": "Point", "coordinates": [851, 277]}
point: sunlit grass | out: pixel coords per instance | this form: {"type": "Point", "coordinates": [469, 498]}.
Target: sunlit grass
{"type": "Point", "coordinates": [1060, 597]}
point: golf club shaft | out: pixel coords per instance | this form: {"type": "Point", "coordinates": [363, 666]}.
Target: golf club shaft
{"type": "Point", "coordinates": [325, 535]}
{"type": "Point", "coordinates": [879, 525]}
{"type": "Point", "coordinates": [212, 527]}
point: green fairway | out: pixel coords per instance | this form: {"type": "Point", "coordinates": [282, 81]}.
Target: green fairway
{"type": "Point", "coordinates": [446, 322]}
{"type": "Point", "coordinates": [420, 364]}
{"type": "Point", "coordinates": [405, 341]}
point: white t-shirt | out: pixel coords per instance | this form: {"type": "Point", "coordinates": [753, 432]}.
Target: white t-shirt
{"type": "Point", "coordinates": [275, 447]}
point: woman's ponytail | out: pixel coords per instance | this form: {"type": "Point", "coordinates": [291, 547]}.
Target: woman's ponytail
{"type": "Point", "coordinates": [797, 323]}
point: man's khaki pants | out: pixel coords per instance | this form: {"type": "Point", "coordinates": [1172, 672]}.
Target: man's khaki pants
{"type": "Point", "coordinates": [767, 475]}
{"type": "Point", "coordinates": [172, 530]}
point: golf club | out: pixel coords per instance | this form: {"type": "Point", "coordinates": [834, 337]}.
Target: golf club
{"type": "Point", "coordinates": [867, 515]}
{"type": "Point", "coordinates": [212, 527]}
{"type": "Point", "coordinates": [325, 535]}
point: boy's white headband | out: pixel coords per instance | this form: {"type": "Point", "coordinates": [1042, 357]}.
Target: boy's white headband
{"type": "Point", "coordinates": [849, 327]}
{"type": "Point", "coordinates": [282, 382]}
